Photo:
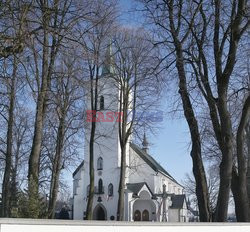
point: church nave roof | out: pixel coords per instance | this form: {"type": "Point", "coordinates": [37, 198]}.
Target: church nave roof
{"type": "Point", "coordinates": [151, 161]}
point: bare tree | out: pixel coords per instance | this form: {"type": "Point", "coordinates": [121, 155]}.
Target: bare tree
{"type": "Point", "coordinates": [204, 30]}
{"type": "Point", "coordinates": [11, 92]}
{"type": "Point", "coordinates": [65, 97]}
{"type": "Point", "coordinates": [12, 35]}
{"type": "Point", "coordinates": [55, 22]}
{"type": "Point", "coordinates": [248, 158]}
{"type": "Point", "coordinates": [201, 33]}
{"type": "Point", "coordinates": [100, 22]}
{"type": "Point", "coordinates": [139, 87]}
{"type": "Point", "coordinates": [173, 34]}
{"type": "Point", "coordinates": [239, 177]}
{"type": "Point", "coordinates": [21, 147]}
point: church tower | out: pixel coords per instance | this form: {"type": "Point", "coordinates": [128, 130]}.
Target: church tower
{"type": "Point", "coordinates": [106, 148]}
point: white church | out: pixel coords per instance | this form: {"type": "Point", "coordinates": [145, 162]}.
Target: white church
{"type": "Point", "coordinates": [151, 193]}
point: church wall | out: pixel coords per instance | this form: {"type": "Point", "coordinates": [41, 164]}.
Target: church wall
{"type": "Point", "coordinates": [140, 171]}
{"type": "Point", "coordinates": [173, 215]}
{"type": "Point", "coordinates": [184, 217]}
{"type": "Point", "coordinates": [110, 174]}
{"type": "Point", "coordinates": [129, 201]}
{"type": "Point", "coordinates": [160, 180]}
{"type": "Point", "coordinates": [78, 195]}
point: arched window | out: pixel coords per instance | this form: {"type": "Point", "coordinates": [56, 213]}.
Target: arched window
{"type": "Point", "coordinates": [100, 163]}
{"type": "Point", "coordinates": [101, 103]}
{"type": "Point", "coordinates": [110, 190]}
{"type": "Point", "coordinates": [100, 186]}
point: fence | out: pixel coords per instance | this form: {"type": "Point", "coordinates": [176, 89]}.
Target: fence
{"type": "Point", "coordinates": [32, 225]}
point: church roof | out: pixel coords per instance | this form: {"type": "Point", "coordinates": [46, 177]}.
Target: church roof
{"type": "Point", "coordinates": [151, 161]}
{"type": "Point", "coordinates": [178, 201]}
{"type": "Point", "coordinates": [78, 168]}
{"type": "Point", "coordinates": [136, 187]}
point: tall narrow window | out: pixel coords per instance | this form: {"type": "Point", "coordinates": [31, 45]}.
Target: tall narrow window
{"type": "Point", "coordinates": [100, 186]}
{"type": "Point", "coordinates": [110, 190]}
{"type": "Point", "coordinates": [100, 163]}
{"type": "Point", "coordinates": [101, 103]}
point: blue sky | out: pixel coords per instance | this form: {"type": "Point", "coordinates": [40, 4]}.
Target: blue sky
{"type": "Point", "coordinates": [171, 148]}
{"type": "Point", "coordinates": [170, 145]}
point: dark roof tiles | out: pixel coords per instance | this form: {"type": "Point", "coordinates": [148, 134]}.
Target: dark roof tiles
{"type": "Point", "coordinates": [136, 187]}
{"type": "Point", "coordinates": [177, 201]}
{"type": "Point", "coordinates": [78, 168]}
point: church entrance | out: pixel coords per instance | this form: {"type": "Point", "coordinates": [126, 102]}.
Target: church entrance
{"type": "Point", "coordinates": [145, 215]}
{"type": "Point", "coordinates": [137, 216]}
{"type": "Point", "coordinates": [99, 213]}
{"type": "Point", "coordinates": [144, 209]}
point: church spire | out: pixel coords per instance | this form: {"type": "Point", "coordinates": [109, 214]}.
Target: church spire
{"type": "Point", "coordinates": [145, 143]}
{"type": "Point", "coordinates": [107, 67]}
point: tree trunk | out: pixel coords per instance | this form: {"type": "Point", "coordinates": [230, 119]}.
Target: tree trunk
{"type": "Point", "coordinates": [34, 159]}
{"type": "Point", "coordinates": [8, 158]}
{"type": "Point", "coordinates": [248, 160]}
{"type": "Point", "coordinates": [14, 187]}
{"type": "Point", "coordinates": [124, 134]}
{"type": "Point", "coordinates": [89, 211]}
{"type": "Point", "coordinates": [223, 79]}
{"type": "Point", "coordinates": [56, 168]}
{"type": "Point", "coordinates": [227, 158]}
{"type": "Point", "coordinates": [240, 192]}
{"type": "Point", "coordinates": [198, 168]}
{"type": "Point", "coordinates": [240, 214]}
{"type": "Point", "coordinates": [120, 207]}
{"type": "Point", "coordinates": [94, 100]}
